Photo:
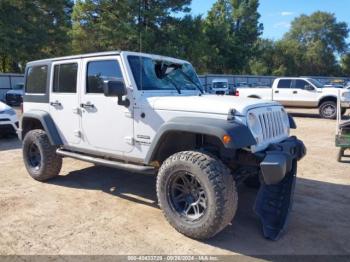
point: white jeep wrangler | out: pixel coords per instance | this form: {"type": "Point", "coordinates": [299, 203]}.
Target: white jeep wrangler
{"type": "Point", "coordinates": [147, 113]}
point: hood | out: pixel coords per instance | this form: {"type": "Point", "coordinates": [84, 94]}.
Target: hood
{"type": "Point", "coordinates": [211, 104]}
{"type": "Point", "coordinates": [3, 106]}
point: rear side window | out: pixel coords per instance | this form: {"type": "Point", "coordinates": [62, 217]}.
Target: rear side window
{"type": "Point", "coordinates": [284, 83]}
{"type": "Point", "coordinates": [100, 71]}
{"type": "Point", "coordinates": [36, 79]}
{"type": "Point", "coordinates": [65, 78]}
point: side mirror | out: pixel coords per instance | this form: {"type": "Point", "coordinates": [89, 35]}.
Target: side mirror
{"type": "Point", "coordinates": [116, 88]}
{"type": "Point", "coordinates": [309, 87]}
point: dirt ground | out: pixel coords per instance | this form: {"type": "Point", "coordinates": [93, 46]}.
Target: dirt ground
{"type": "Point", "coordinates": [97, 210]}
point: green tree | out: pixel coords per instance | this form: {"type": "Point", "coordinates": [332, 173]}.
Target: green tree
{"type": "Point", "coordinates": [125, 24]}
{"type": "Point", "coordinates": [262, 61]}
{"type": "Point", "coordinates": [345, 64]}
{"type": "Point", "coordinates": [232, 28]}
{"type": "Point", "coordinates": [320, 27]}
{"type": "Point", "coordinates": [101, 25]}
{"type": "Point", "coordinates": [320, 38]}
{"type": "Point", "coordinates": [32, 30]}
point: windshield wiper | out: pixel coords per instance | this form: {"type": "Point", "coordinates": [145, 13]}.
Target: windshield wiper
{"type": "Point", "coordinates": [173, 83]}
{"type": "Point", "coordinates": [190, 79]}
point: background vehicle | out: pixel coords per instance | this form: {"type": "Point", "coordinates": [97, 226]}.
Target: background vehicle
{"type": "Point", "coordinates": [7, 82]}
{"type": "Point", "coordinates": [148, 114]}
{"type": "Point", "coordinates": [220, 86]}
{"type": "Point", "coordinates": [301, 92]}
{"type": "Point", "coordinates": [8, 120]}
{"type": "Point", "coordinates": [14, 97]}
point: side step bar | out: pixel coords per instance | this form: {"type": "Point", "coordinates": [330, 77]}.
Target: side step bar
{"type": "Point", "coordinates": [109, 163]}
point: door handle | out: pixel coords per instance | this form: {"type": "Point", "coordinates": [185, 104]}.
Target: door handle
{"type": "Point", "coordinates": [87, 105]}
{"type": "Point", "coordinates": [56, 103]}
{"type": "Point", "coordinates": [295, 92]}
{"type": "Point", "coordinates": [276, 92]}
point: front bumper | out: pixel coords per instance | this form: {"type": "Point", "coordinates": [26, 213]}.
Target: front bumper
{"type": "Point", "coordinates": [275, 196]}
{"type": "Point", "coordinates": [277, 159]}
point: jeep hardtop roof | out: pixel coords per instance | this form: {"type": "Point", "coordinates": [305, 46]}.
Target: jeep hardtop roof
{"type": "Point", "coordinates": [108, 53]}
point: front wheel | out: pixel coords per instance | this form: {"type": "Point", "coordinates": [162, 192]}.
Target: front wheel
{"type": "Point", "coordinates": [40, 158]}
{"type": "Point", "coordinates": [328, 110]}
{"type": "Point", "coordinates": [196, 193]}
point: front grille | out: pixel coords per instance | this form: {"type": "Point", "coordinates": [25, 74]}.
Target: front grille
{"type": "Point", "coordinates": [271, 124]}
{"type": "Point", "coordinates": [13, 98]}
{"type": "Point", "coordinates": [4, 119]}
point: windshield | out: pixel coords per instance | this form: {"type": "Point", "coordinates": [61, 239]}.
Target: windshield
{"type": "Point", "coordinates": [151, 74]}
{"type": "Point", "coordinates": [219, 85]}
{"type": "Point", "coordinates": [315, 83]}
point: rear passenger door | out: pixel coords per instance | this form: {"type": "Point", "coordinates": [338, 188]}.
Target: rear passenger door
{"type": "Point", "coordinates": [283, 91]}
{"type": "Point", "coordinates": [64, 100]}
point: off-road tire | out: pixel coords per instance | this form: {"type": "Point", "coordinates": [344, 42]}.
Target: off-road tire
{"type": "Point", "coordinates": [50, 162]}
{"type": "Point", "coordinates": [218, 184]}
{"type": "Point", "coordinates": [326, 104]}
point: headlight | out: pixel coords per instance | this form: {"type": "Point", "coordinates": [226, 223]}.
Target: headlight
{"type": "Point", "coordinates": [255, 127]}
{"type": "Point", "coordinates": [10, 112]}
{"type": "Point", "coordinates": [285, 119]}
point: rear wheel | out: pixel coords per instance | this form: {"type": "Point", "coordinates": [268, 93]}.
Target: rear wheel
{"type": "Point", "coordinates": [197, 194]}
{"type": "Point", "coordinates": [340, 154]}
{"type": "Point", "coordinates": [328, 110]}
{"type": "Point", "coordinates": [40, 158]}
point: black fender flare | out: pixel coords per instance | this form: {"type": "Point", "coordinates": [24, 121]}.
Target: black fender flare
{"type": "Point", "coordinates": [240, 134]}
{"type": "Point", "coordinates": [47, 123]}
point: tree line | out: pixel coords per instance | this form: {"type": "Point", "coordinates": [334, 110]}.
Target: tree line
{"type": "Point", "coordinates": [227, 40]}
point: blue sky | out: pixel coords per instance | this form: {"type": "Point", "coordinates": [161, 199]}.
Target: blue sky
{"type": "Point", "coordinates": [276, 15]}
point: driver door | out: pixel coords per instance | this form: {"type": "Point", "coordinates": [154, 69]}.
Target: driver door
{"type": "Point", "coordinates": [304, 94]}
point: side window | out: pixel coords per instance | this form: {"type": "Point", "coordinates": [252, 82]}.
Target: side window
{"type": "Point", "coordinates": [5, 82]}
{"type": "Point", "coordinates": [100, 71]}
{"type": "Point", "coordinates": [65, 78]}
{"type": "Point", "coordinates": [36, 79]}
{"type": "Point", "coordinates": [300, 84]}
{"type": "Point", "coordinates": [284, 83]}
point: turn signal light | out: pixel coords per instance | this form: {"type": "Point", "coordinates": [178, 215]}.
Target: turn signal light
{"type": "Point", "coordinates": [226, 139]}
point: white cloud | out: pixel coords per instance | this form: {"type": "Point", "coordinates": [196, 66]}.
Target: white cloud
{"type": "Point", "coordinates": [282, 24]}
{"type": "Point", "coordinates": [286, 13]}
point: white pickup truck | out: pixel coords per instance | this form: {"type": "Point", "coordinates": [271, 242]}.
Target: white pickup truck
{"type": "Point", "coordinates": [301, 92]}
